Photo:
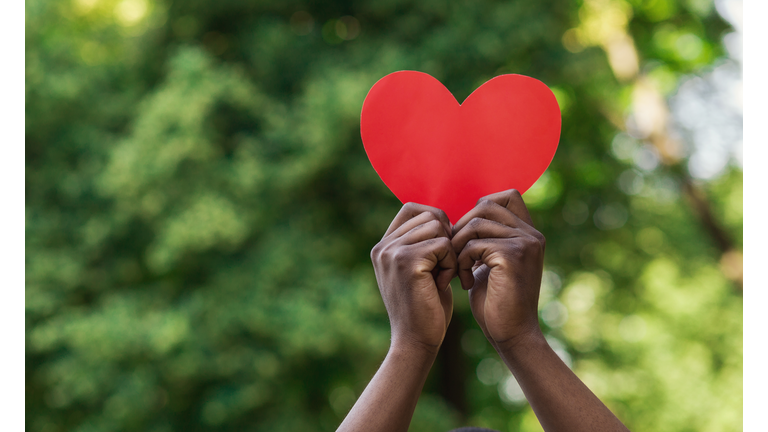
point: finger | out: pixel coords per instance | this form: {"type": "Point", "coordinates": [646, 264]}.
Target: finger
{"type": "Point", "coordinates": [475, 250]}
{"type": "Point", "coordinates": [444, 278]}
{"type": "Point", "coordinates": [513, 201]}
{"type": "Point", "coordinates": [477, 296]}
{"type": "Point", "coordinates": [410, 224]}
{"type": "Point", "coordinates": [448, 264]}
{"type": "Point", "coordinates": [437, 257]}
{"type": "Point", "coordinates": [421, 232]}
{"type": "Point", "coordinates": [446, 261]}
{"type": "Point", "coordinates": [478, 228]}
{"type": "Point", "coordinates": [409, 210]}
{"type": "Point", "coordinates": [487, 209]}
{"type": "Point", "coordinates": [481, 274]}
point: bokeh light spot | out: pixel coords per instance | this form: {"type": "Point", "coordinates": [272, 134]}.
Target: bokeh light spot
{"type": "Point", "coordinates": [631, 182]}
{"type": "Point", "coordinates": [329, 32]}
{"type": "Point", "coordinates": [554, 314]}
{"type": "Point", "coordinates": [632, 328]}
{"type": "Point", "coordinates": [341, 399]}
{"type": "Point", "coordinates": [544, 192]}
{"type": "Point", "coordinates": [580, 296]}
{"type": "Point", "coordinates": [510, 391]}
{"type": "Point", "coordinates": [490, 371]}
{"type": "Point", "coordinates": [563, 98]}
{"type": "Point", "coordinates": [347, 27]}
{"type": "Point", "coordinates": [550, 286]}
{"type": "Point", "coordinates": [689, 46]}
{"type": "Point", "coordinates": [571, 41]}
{"type": "Point", "coordinates": [650, 239]}
{"type": "Point", "coordinates": [610, 216]}
{"type": "Point", "coordinates": [85, 6]}
{"type": "Point", "coordinates": [624, 147]}
{"type": "Point", "coordinates": [131, 12]}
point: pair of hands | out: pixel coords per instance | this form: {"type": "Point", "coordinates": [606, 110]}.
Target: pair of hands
{"type": "Point", "coordinates": [494, 249]}
{"type": "Point", "coordinates": [498, 256]}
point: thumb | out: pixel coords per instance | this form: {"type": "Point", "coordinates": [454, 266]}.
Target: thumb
{"type": "Point", "coordinates": [477, 296]}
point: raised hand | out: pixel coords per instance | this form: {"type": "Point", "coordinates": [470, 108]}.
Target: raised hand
{"type": "Point", "coordinates": [414, 264]}
{"type": "Point", "coordinates": [500, 257]}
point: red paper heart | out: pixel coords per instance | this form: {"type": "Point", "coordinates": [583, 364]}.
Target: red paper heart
{"type": "Point", "coordinates": [430, 150]}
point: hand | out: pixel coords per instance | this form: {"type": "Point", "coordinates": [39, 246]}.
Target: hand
{"type": "Point", "coordinates": [501, 257]}
{"type": "Point", "coordinates": [414, 265]}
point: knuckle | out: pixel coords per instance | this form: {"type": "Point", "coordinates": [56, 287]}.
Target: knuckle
{"type": "Point", "coordinates": [376, 252]}
{"type": "Point", "coordinates": [443, 243]}
{"type": "Point", "coordinates": [398, 255]}
{"type": "Point", "coordinates": [428, 215]}
{"type": "Point", "coordinates": [409, 207]}
{"type": "Point", "coordinates": [530, 242]}
{"type": "Point", "coordinates": [468, 248]}
{"type": "Point", "coordinates": [386, 254]}
{"type": "Point", "coordinates": [475, 223]}
{"type": "Point", "coordinates": [484, 203]}
{"type": "Point", "coordinates": [513, 195]}
{"type": "Point", "coordinates": [438, 229]}
{"type": "Point", "coordinates": [532, 245]}
{"type": "Point", "coordinates": [402, 261]}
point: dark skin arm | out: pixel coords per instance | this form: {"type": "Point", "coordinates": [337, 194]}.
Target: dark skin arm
{"type": "Point", "coordinates": [498, 256]}
{"type": "Point", "coordinates": [501, 256]}
{"type": "Point", "coordinates": [414, 264]}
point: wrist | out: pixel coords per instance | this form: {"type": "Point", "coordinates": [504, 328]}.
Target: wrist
{"type": "Point", "coordinates": [416, 359]}
{"type": "Point", "coordinates": [404, 345]}
{"type": "Point", "coordinates": [523, 343]}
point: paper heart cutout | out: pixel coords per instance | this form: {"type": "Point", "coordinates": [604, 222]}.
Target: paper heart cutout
{"type": "Point", "coordinates": [429, 149]}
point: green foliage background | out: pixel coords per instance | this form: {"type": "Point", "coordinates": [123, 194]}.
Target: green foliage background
{"type": "Point", "coordinates": [200, 211]}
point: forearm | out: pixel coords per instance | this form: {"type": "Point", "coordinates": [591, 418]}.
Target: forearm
{"type": "Point", "coordinates": [388, 402]}
{"type": "Point", "coordinates": [558, 397]}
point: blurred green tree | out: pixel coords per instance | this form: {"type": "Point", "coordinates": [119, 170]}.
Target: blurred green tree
{"type": "Point", "coordinates": [200, 212]}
